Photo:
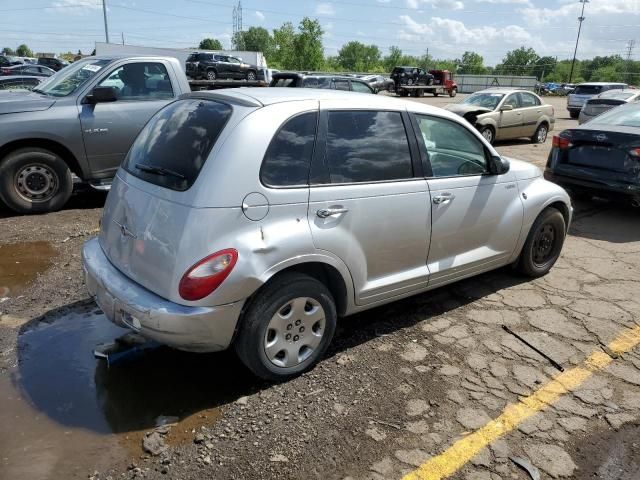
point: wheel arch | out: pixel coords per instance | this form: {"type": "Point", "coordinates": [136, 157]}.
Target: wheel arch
{"type": "Point", "coordinates": [56, 147]}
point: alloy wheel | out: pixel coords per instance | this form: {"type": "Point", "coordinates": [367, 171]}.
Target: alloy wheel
{"type": "Point", "coordinates": [542, 134]}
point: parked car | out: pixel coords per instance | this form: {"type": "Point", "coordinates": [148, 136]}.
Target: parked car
{"type": "Point", "coordinates": [378, 83]}
{"type": "Point", "coordinates": [27, 69]}
{"type": "Point", "coordinates": [601, 157]}
{"type": "Point", "coordinates": [606, 101]}
{"type": "Point", "coordinates": [320, 80]}
{"type": "Point", "coordinates": [214, 66]}
{"type": "Point", "coordinates": [585, 91]}
{"type": "Point", "coordinates": [201, 253]}
{"type": "Point", "coordinates": [19, 82]}
{"type": "Point", "coordinates": [9, 60]}
{"type": "Point", "coordinates": [500, 114]}
{"type": "Point", "coordinates": [411, 76]}
{"type": "Point", "coordinates": [53, 63]}
{"type": "Point", "coordinates": [81, 120]}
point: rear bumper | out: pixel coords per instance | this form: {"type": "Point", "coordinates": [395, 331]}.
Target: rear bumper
{"type": "Point", "coordinates": [129, 305]}
{"type": "Point", "coordinates": [603, 187]}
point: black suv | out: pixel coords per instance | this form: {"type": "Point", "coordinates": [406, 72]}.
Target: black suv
{"type": "Point", "coordinates": [318, 80]}
{"type": "Point", "coordinates": [411, 76]}
{"type": "Point", "coordinates": [212, 66]}
{"type": "Point", "coordinates": [53, 63]}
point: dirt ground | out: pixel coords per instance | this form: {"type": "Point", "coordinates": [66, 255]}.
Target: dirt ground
{"type": "Point", "coordinates": [400, 385]}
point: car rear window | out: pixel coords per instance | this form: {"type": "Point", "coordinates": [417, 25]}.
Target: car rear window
{"type": "Point", "coordinates": [172, 148]}
{"type": "Point", "coordinates": [587, 89]}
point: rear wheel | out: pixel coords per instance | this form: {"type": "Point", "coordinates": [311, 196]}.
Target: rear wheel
{"type": "Point", "coordinates": [287, 327]}
{"type": "Point", "coordinates": [251, 75]}
{"type": "Point", "coordinates": [453, 92]}
{"type": "Point", "coordinates": [211, 75]}
{"type": "Point", "coordinates": [540, 136]}
{"type": "Point", "coordinates": [544, 244]}
{"type": "Point", "coordinates": [435, 94]}
{"type": "Point", "coordinates": [574, 114]}
{"type": "Point", "coordinates": [34, 180]}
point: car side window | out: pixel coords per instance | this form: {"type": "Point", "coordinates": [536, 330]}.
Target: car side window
{"type": "Point", "coordinates": [452, 150]}
{"type": "Point", "coordinates": [513, 100]}
{"type": "Point", "coordinates": [341, 85]}
{"type": "Point", "coordinates": [360, 87]}
{"type": "Point", "coordinates": [528, 100]}
{"type": "Point", "coordinates": [140, 81]}
{"type": "Point", "coordinates": [288, 156]}
{"type": "Point", "coordinates": [367, 146]}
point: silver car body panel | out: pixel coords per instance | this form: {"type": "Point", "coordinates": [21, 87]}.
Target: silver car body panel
{"type": "Point", "coordinates": [390, 241]}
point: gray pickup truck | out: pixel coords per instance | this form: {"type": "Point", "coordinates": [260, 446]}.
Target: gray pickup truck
{"type": "Point", "coordinates": [81, 120]}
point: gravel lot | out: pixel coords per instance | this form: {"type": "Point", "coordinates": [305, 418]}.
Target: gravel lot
{"type": "Point", "coordinates": [399, 386]}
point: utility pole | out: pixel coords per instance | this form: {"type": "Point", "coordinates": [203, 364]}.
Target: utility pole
{"type": "Point", "coordinates": [104, 13]}
{"type": "Point", "coordinates": [122, 33]}
{"type": "Point", "coordinates": [630, 45]}
{"type": "Point", "coordinates": [580, 20]}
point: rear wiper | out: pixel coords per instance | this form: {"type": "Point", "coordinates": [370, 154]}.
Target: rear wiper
{"type": "Point", "coordinates": [159, 170]}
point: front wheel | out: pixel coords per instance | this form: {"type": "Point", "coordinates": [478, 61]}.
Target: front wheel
{"type": "Point", "coordinates": [34, 180]}
{"type": "Point", "coordinates": [488, 134]}
{"type": "Point", "coordinates": [211, 75]}
{"type": "Point", "coordinates": [435, 94]}
{"type": "Point", "coordinates": [287, 327]}
{"type": "Point", "coordinates": [453, 92]}
{"type": "Point", "coordinates": [574, 114]}
{"type": "Point", "coordinates": [544, 244]}
{"type": "Point", "coordinates": [251, 76]}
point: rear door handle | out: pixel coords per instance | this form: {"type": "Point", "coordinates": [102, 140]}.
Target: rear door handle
{"type": "Point", "coordinates": [327, 212]}
{"type": "Point", "coordinates": [443, 198]}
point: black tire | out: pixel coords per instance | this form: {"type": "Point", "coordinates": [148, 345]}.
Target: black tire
{"type": "Point", "coordinates": [34, 180]}
{"type": "Point", "coordinates": [540, 252]}
{"type": "Point", "coordinates": [573, 114]}
{"type": "Point", "coordinates": [453, 92]}
{"type": "Point", "coordinates": [488, 133]}
{"type": "Point", "coordinates": [211, 75]}
{"type": "Point", "coordinates": [251, 342]}
{"type": "Point", "coordinates": [435, 94]}
{"type": "Point", "coordinates": [251, 76]}
{"type": "Point", "coordinates": [404, 93]}
{"type": "Point", "coordinates": [540, 136]}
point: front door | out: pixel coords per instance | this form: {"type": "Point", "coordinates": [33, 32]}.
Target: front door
{"type": "Point", "coordinates": [108, 129]}
{"type": "Point", "coordinates": [511, 121]}
{"type": "Point", "coordinates": [476, 217]}
{"type": "Point", "coordinates": [367, 207]}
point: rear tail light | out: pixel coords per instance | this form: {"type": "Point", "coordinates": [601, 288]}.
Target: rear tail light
{"type": "Point", "coordinates": [560, 142]}
{"type": "Point", "coordinates": [635, 152]}
{"type": "Point", "coordinates": [207, 275]}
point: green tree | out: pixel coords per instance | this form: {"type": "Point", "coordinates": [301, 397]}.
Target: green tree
{"type": "Point", "coordinates": [544, 66]}
{"type": "Point", "coordinates": [518, 62]}
{"type": "Point", "coordinates": [24, 51]}
{"type": "Point", "coordinates": [255, 39]}
{"type": "Point", "coordinates": [8, 51]}
{"type": "Point", "coordinates": [393, 59]}
{"type": "Point", "coordinates": [471, 63]}
{"type": "Point", "coordinates": [307, 45]}
{"type": "Point", "coordinates": [210, 44]}
{"type": "Point", "coordinates": [282, 51]}
{"type": "Point", "coordinates": [358, 57]}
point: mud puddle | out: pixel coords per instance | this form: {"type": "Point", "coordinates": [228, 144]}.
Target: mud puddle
{"type": "Point", "coordinates": [66, 413]}
{"type": "Point", "coordinates": [20, 264]}
{"type": "Point", "coordinates": [609, 455]}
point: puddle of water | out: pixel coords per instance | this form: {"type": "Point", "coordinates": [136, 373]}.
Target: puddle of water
{"type": "Point", "coordinates": [20, 263]}
{"type": "Point", "coordinates": [64, 402]}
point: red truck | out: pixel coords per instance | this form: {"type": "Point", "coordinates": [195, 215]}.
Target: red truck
{"type": "Point", "coordinates": [443, 83]}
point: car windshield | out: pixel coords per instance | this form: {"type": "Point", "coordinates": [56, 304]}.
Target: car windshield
{"type": "Point", "coordinates": [587, 89]}
{"type": "Point", "coordinates": [486, 100]}
{"type": "Point", "coordinates": [68, 80]}
{"type": "Point", "coordinates": [616, 94]}
{"type": "Point", "coordinates": [627, 115]}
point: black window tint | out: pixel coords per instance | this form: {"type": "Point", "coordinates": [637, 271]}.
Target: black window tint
{"type": "Point", "coordinates": [367, 146]}
{"type": "Point", "coordinates": [288, 157]}
{"type": "Point", "coordinates": [341, 85]}
{"type": "Point", "coordinates": [176, 142]}
{"type": "Point", "coordinates": [360, 87]}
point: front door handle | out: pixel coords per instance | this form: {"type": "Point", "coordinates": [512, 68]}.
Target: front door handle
{"type": "Point", "coordinates": [443, 198]}
{"type": "Point", "coordinates": [327, 212]}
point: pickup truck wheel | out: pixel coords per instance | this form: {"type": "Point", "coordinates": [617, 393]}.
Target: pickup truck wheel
{"type": "Point", "coordinates": [435, 94]}
{"type": "Point", "coordinates": [34, 180]}
{"type": "Point", "coordinates": [540, 136]}
{"type": "Point", "coordinates": [251, 75]}
{"type": "Point", "coordinates": [211, 75]}
{"type": "Point", "coordinates": [453, 92]}
{"type": "Point", "coordinates": [544, 244]}
{"type": "Point", "coordinates": [287, 327]}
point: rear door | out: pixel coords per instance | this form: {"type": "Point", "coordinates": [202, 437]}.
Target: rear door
{"type": "Point", "coordinates": [476, 216]}
{"type": "Point", "coordinates": [511, 121]}
{"type": "Point", "coordinates": [108, 129]}
{"type": "Point", "coordinates": [531, 111]}
{"type": "Point", "coordinates": [366, 205]}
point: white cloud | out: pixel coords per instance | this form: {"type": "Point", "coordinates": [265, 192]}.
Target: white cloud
{"type": "Point", "coordinates": [76, 7]}
{"type": "Point", "coordinates": [514, 2]}
{"type": "Point", "coordinates": [545, 16]}
{"type": "Point", "coordinates": [259, 16]}
{"type": "Point", "coordinates": [325, 9]}
{"type": "Point", "coordinates": [442, 4]}
{"type": "Point", "coordinates": [413, 3]}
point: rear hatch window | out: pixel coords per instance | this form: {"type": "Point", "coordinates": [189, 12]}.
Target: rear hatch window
{"type": "Point", "coordinates": [587, 90]}
{"type": "Point", "coordinates": [172, 148]}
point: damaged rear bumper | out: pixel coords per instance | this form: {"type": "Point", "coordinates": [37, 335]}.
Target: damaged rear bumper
{"type": "Point", "coordinates": [129, 305]}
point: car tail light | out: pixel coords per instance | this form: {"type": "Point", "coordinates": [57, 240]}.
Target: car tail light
{"type": "Point", "coordinates": [207, 275]}
{"type": "Point", "coordinates": [635, 152]}
{"type": "Point", "coordinates": [560, 142]}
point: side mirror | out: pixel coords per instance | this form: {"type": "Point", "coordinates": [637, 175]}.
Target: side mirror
{"type": "Point", "coordinates": [499, 165]}
{"type": "Point", "coordinates": [102, 95]}
{"type": "Point", "coordinates": [506, 108]}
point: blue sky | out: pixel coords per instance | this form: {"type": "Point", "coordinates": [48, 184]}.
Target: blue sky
{"type": "Point", "coordinates": [446, 27]}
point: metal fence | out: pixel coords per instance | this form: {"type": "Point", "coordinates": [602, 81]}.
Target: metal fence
{"type": "Point", "coordinates": [474, 83]}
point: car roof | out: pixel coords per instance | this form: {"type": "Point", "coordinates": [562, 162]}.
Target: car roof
{"type": "Point", "coordinates": [599, 84]}
{"type": "Point", "coordinates": [504, 90]}
{"type": "Point", "coordinates": [20, 77]}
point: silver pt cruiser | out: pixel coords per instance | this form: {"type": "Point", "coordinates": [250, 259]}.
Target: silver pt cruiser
{"type": "Point", "coordinates": [257, 217]}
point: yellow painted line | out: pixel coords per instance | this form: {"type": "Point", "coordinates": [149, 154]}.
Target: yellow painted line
{"type": "Point", "coordinates": [456, 456]}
